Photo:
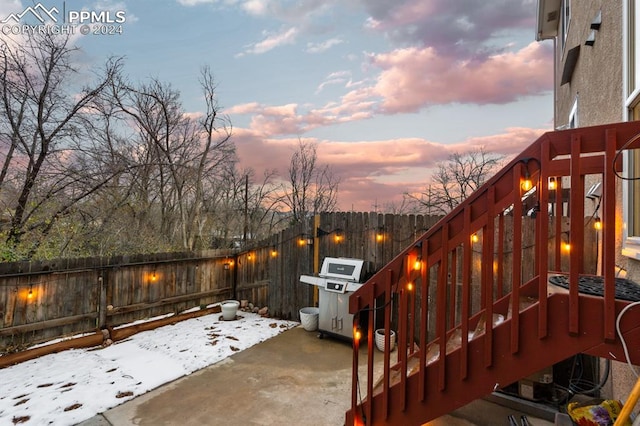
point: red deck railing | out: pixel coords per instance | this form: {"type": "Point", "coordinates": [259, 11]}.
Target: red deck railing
{"type": "Point", "coordinates": [474, 286]}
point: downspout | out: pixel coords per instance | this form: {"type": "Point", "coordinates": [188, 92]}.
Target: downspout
{"type": "Point", "coordinates": [555, 83]}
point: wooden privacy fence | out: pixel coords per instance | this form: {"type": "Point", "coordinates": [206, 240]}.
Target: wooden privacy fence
{"type": "Point", "coordinates": [40, 301]}
{"type": "Point", "coordinates": [48, 299]}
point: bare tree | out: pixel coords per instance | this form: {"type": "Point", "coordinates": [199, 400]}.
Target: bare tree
{"type": "Point", "coordinates": [43, 121]}
{"type": "Point", "coordinates": [181, 154]}
{"type": "Point", "coordinates": [312, 188]}
{"type": "Point", "coordinates": [455, 180]}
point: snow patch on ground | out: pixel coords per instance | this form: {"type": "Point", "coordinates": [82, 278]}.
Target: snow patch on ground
{"type": "Point", "coordinates": [71, 386]}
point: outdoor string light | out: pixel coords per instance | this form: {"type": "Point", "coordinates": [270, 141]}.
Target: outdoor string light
{"type": "Point", "coordinates": [417, 265]}
{"type": "Point", "coordinates": [597, 223]}
{"type": "Point", "coordinates": [526, 183]}
{"type": "Point", "coordinates": [566, 244]}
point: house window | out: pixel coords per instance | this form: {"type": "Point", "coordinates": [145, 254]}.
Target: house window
{"type": "Point", "coordinates": [631, 188]}
{"type": "Point", "coordinates": [566, 18]}
{"type": "Point", "coordinates": [632, 42]}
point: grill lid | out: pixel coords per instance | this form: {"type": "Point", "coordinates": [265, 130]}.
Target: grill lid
{"type": "Point", "coordinates": [342, 268]}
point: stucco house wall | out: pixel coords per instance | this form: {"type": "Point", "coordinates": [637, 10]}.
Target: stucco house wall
{"type": "Point", "coordinates": [596, 82]}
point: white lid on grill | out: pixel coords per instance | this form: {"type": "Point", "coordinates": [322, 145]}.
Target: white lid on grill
{"type": "Point", "coordinates": [342, 268]}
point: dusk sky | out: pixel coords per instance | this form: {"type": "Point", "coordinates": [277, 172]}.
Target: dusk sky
{"type": "Point", "coordinates": [387, 89]}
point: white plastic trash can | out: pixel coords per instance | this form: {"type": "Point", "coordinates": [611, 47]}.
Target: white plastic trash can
{"type": "Point", "coordinates": [309, 318]}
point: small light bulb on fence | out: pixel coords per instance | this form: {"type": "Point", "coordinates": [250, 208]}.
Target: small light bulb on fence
{"type": "Point", "coordinates": [526, 184]}
{"type": "Point", "coordinates": [30, 295]}
{"type": "Point", "coordinates": [379, 237]}
{"type": "Point", "coordinates": [474, 238]}
{"type": "Point", "coordinates": [410, 286]}
{"type": "Point", "coordinates": [552, 184]}
{"type": "Point", "coordinates": [567, 247]}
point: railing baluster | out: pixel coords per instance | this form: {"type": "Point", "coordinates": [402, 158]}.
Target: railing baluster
{"type": "Point", "coordinates": [387, 349]}
{"type": "Point", "coordinates": [487, 275]}
{"type": "Point", "coordinates": [370, 344]}
{"type": "Point", "coordinates": [424, 315]}
{"type": "Point", "coordinates": [557, 248]}
{"type": "Point", "coordinates": [542, 241]}
{"type": "Point", "coordinates": [466, 293]}
{"type": "Point", "coordinates": [516, 272]}
{"type": "Point", "coordinates": [609, 239]}
{"type": "Point", "coordinates": [499, 264]}
{"type": "Point", "coordinates": [441, 308]}
{"type": "Point", "coordinates": [402, 333]}
{"type": "Point", "coordinates": [354, 367]}
{"type": "Point", "coordinates": [576, 230]}
{"type": "Point", "coordinates": [452, 284]}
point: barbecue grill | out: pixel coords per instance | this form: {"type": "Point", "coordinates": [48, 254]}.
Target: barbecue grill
{"type": "Point", "coordinates": [338, 278]}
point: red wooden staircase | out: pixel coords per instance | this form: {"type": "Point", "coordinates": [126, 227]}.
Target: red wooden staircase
{"type": "Point", "coordinates": [476, 285]}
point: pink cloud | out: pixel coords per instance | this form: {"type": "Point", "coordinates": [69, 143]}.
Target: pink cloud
{"type": "Point", "coordinates": [247, 108]}
{"type": "Point", "coordinates": [374, 171]}
{"type": "Point", "coordinates": [512, 142]}
{"type": "Point", "coordinates": [287, 119]}
{"type": "Point", "coordinates": [413, 78]}
{"type": "Point", "coordinates": [448, 26]}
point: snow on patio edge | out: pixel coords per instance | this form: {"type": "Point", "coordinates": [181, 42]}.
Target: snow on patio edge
{"type": "Point", "coordinates": [69, 387]}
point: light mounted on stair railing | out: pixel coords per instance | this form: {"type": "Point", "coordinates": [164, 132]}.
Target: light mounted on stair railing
{"type": "Point", "coordinates": [417, 264]}
{"type": "Point", "coordinates": [553, 184]}
{"type": "Point", "coordinates": [357, 334]}
{"type": "Point", "coordinates": [597, 223]}
{"type": "Point", "coordinates": [526, 183]}
{"type": "Point", "coordinates": [417, 256]}
{"type": "Point", "coordinates": [566, 244]}
{"type": "Point", "coordinates": [474, 238]}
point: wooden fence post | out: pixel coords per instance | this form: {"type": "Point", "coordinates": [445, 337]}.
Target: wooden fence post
{"type": "Point", "coordinates": [102, 303]}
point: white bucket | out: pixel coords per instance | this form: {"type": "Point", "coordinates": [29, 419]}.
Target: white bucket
{"type": "Point", "coordinates": [380, 338]}
{"type": "Point", "coordinates": [229, 309]}
{"type": "Point", "coordinates": [309, 318]}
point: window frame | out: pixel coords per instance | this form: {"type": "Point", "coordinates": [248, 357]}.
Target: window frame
{"type": "Point", "coordinates": [631, 111]}
{"type": "Point", "coordinates": [565, 21]}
